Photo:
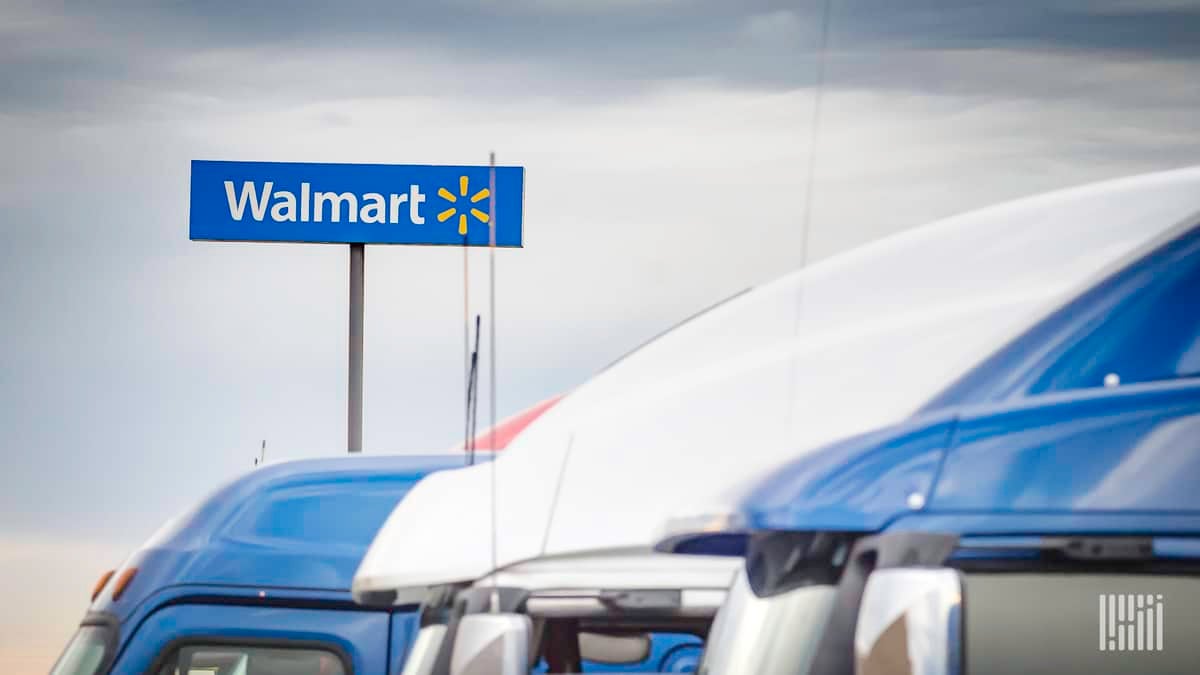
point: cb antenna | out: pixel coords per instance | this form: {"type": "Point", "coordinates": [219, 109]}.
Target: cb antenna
{"type": "Point", "coordinates": [492, 361]}
{"type": "Point", "coordinates": [469, 357]}
{"type": "Point", "coordinates": [814, 130]}
{"type": "Point", "coordinates": [262, 454]}
{"type": "Point", "coordinates": [814, 133]}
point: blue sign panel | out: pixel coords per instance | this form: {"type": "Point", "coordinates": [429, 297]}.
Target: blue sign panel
{"type": "Point", "coordinates": [354, 203]}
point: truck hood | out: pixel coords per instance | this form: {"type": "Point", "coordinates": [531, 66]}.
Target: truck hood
{"type": "Point", "coordinates": [854, 343]}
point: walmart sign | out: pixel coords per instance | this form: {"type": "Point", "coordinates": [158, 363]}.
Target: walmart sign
{"type": "Point", "coordinates": [355, 203]}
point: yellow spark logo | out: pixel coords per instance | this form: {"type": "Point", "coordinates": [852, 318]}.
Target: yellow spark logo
{"type": "Point", "coordinates": [453, 199]}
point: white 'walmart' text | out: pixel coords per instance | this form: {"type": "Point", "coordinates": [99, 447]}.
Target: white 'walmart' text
{"type": "Point", "coordinates": [285, 207]}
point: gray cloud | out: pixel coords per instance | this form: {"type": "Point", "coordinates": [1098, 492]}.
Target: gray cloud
{"type": "Point", "coordinates": [92, 54]}
{"type": "Point", "coordinates": [623, 43]}
{"type": "Point", "coordinates": [1148, 29]}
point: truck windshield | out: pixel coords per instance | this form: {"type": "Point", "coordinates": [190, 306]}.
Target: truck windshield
{"type": "Point", "coordinates": [85, 653]}
{"type": "Point", "coordinates": [1081, 623]}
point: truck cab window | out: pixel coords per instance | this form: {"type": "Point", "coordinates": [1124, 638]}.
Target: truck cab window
{"type": "Point", "coordinates": [247, 660]}
{"type": "Point", "coordinates": [85, 653]}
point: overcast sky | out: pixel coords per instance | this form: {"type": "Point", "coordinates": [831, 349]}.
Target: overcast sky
{"type": "Point", "coordinates": [666, 146]}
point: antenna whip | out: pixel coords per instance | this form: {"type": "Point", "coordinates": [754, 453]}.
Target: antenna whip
{"type": "Point", "coordinates": [492, 359]}
{"type": "Point", "coordinates": [468, 365]}
{"type": "Point", "coordinates": [806, 221]}
{"type": "Point", "coordinates": [814, 129]}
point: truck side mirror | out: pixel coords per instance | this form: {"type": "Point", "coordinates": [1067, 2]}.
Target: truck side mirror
{"type": "Point", "coordinates": [910, 621]}
{"type": "Point", "coordinates": [492, 644]}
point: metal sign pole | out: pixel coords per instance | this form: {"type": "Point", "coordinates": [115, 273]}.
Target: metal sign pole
{"type": "Point", "coordinates": [354, 416]}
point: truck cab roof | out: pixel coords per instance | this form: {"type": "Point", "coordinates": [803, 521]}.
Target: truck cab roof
{"type": "Point", "coordinates": [287, 527]}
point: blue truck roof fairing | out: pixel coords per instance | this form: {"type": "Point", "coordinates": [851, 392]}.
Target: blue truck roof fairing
{"type": "Point", "coordinates": [288, 529]}
{"type": "Point", "coordinates": [1088, 456]}
{"type": "Point", "coordinates": [1012, 372]}
{"type": "Point", "coordinates": [1089, 462]}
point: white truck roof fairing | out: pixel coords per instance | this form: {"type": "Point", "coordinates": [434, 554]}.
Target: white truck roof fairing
{"type": "Point", "coordinates": [852, 343]}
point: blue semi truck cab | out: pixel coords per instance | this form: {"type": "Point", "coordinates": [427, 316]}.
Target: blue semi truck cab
{"type": "Point", "coordinates": [258, 573]}
{"type": "Point", "coordinates": [1041, 514]}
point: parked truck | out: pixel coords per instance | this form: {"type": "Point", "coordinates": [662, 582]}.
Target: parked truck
{"type": "Point", "coordinates": [256, 579]}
